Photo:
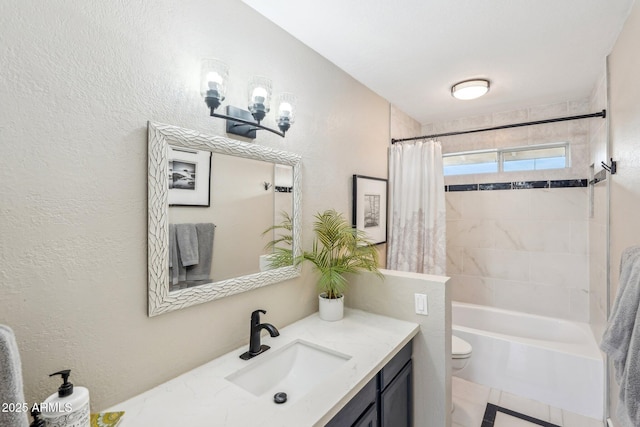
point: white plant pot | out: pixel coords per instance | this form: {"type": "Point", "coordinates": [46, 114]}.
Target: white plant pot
{"type": "Point", "coordinates": [331, 309]}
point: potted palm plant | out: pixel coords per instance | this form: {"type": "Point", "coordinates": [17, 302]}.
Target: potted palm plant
{"type": "Point", "coordinates": [337, 249]}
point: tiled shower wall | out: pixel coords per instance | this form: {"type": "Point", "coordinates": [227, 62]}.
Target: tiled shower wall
{"type": "Point", "coordinates": [598, 219]}
{"type": "Point", "coordinates": [521, 249]}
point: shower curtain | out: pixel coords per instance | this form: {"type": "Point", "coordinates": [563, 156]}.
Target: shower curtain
{"type": "Point", "coordinates": [417, 237]}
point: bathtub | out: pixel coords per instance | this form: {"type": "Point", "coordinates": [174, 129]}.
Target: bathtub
{"type": "Point", "coordinates": [550, 360]}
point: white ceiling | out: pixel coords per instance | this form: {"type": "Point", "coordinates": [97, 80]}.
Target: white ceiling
{"type": "Point", "coordinates": [412, 51]}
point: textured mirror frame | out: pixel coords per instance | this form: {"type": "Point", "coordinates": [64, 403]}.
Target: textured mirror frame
{"type": "Point", "coordinates": [159, 137]}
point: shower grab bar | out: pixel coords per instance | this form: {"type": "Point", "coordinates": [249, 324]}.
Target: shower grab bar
{"type": "Point", "coordinates": [602, 175]}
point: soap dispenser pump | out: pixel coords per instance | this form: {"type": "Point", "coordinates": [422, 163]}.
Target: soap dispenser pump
{"type": "Point", "coordinates": [37, 421]}
{"type": "Point", "coordinates": [69, 407]}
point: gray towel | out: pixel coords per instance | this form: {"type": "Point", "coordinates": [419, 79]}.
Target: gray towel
{"type": "Point", "coordinates": [177, 271]}
{"type": "Point", "coordinates": [173, 255]}
{"type": "Point", "coordinates": [187, 239]}
{"type": "Point", "coordinates": [621, 339]}
{"type": "Point", "coordinates": [202, 270]}
{"type": "Point", "coordinates": [11, 389]}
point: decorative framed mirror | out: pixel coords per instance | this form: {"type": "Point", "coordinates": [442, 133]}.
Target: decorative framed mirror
{"type": "Point", "coordinates": [232, 198]}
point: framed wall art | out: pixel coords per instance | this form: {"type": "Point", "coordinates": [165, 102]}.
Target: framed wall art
{"type": "Point", "coordinates": [189, 177]}
{"type": "Point", "coordinates": [370, 207]}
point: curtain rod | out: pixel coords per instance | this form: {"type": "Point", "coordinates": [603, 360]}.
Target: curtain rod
{"type": "Point", "coordinates": [602, 114]}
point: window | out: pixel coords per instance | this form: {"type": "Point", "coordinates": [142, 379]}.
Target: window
{"type": "Point", "coordinates": [473, 162]}
{"type": "Point", "coordinates": [535, 159]}
{"type": "Point", "coordinates": [552, 156]}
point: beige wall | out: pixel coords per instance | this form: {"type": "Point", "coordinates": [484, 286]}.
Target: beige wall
{"type": "Point", "coordinates": [78, 84]}
{"type": "Point", "coordinates": [624, 92]}
{"type": "Point", "coordinates": [402, 125]}
{"type": "Point", "coordinates": [393, 296]}
{"type": "Point", "coordinates": [625, 147]}
{"type": "Point", "coordinates": [525, 249]}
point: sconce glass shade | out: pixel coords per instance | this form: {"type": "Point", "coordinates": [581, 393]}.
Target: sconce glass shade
{"type": "Point", "coordinates": [470, 89]}
{"type": "Point", "coordinates": [259, 97]}
{"type": "Point", "coordinates": [214, 76]}
{"type": "Point", "coordinates": [285, 116]}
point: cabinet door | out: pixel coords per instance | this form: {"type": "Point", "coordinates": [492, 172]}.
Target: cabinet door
{"type": "Point", "coordinates": [353, 410]}
{"type": "Point", "coordinates": [396, 401]}
{"type": "Point", "coordinates": [369, 418]}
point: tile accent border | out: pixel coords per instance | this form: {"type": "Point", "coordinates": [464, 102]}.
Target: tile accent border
{"type": "Point", "coordinates": [490, 416]}
{"type": "Point", "coordinates": [518, 185]}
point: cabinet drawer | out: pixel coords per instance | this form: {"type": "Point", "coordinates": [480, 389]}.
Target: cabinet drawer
{"type": "Point", "coordinates": [356, 406]}
{"type": "Point", "coordinates": [369, 418]}
{"type": "Point", "coordinates": [395, 365]}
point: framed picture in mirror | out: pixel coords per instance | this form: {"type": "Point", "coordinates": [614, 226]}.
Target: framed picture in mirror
{"type": "Point", "coordinates": [189, 177]}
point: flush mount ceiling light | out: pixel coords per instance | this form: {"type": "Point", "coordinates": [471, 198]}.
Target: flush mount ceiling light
{"type": "Point", "coordinates": [214, 76]}
{"type": "Point", "coordinates": [470, 89]}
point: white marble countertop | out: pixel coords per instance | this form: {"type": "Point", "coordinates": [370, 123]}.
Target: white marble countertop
{"type": "Point", "coordinates": [203, 397]}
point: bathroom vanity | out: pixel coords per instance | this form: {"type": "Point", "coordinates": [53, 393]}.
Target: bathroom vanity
{"type": "Point", "coordinates": [387, 397]}
{"type": "Point", "coordinates": [342, 373]}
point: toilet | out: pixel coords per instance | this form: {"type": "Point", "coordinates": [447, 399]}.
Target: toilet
{"type": "Point", "coordinates": [460, 354]}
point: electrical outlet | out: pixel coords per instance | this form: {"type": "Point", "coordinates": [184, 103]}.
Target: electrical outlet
{"type": "Point", "coordinates": [422, 307]}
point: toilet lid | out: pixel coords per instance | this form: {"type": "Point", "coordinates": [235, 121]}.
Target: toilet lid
{"type": "Point", "coordinates": [459, 348]}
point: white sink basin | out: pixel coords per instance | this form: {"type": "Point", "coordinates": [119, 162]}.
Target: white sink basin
{"type": "Point", "coordinates": [294, 369]}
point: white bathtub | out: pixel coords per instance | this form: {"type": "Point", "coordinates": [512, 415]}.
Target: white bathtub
{"type": "Point", "coordinates": [550, 360]}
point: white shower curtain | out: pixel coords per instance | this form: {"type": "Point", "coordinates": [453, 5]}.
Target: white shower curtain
{"type": "Point", "coordinates": [417, 238]}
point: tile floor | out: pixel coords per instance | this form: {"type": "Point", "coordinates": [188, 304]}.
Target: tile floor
{"type": "Point", "coordinates": [471, 401]}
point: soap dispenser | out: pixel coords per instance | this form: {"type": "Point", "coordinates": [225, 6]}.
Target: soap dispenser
{"type": "Point", "coordinates": [37, 421]}
{"type": "Point", "coordinates": [69, 407]}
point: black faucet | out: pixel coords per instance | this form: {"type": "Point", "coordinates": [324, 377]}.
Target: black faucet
{"type": "Point", "coordinates": [254, 338]}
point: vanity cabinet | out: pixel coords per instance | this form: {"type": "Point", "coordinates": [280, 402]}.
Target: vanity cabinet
{"type": "Point", "coordinates": [386, 400]}
{"type": "Point", "coordinates": [369, 418]}
{"type": "Point", "coordinates": [356, 412]}
{"type": "Point", "coordinates": [396, 401]}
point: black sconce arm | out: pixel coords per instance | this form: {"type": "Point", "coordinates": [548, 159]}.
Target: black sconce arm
{"type": "Point", "coordinates": [241, 121]}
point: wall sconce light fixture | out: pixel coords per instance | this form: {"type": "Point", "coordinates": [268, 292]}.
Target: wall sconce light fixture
{"type": "Point", "coordinates": [214, 77]}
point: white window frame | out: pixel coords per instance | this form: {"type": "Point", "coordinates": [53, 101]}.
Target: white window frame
{"type": "Point", "coordinates": [501, 151]}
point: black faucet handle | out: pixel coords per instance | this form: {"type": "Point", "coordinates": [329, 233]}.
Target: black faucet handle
{"type": "Point", "coordinates": [255, 316]}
